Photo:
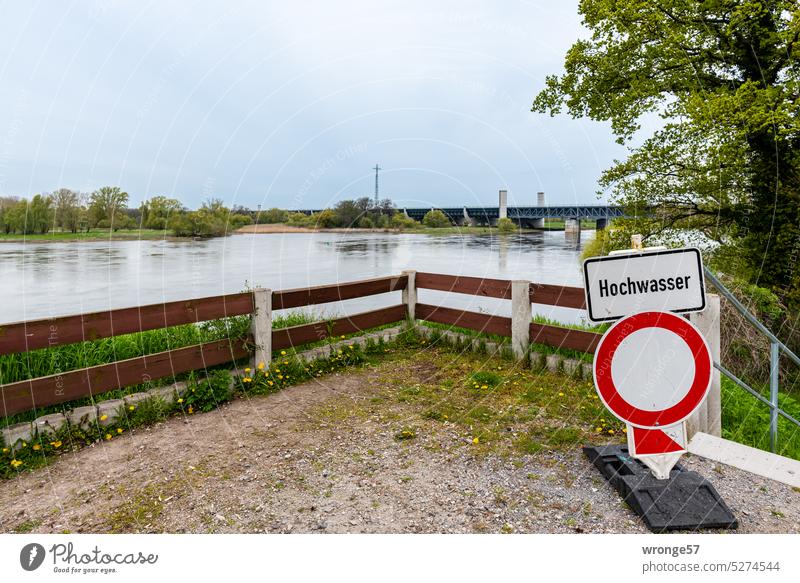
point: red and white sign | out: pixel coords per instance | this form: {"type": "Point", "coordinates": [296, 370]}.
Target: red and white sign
{"type": "Point", "coordinates": [652, 370]}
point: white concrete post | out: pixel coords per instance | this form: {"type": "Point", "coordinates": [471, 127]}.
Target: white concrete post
{"type": "Point", "coordinates": [539, 199]}
{"type": "Point", "coordinates": [520, 318]}
{"type": "Point", "coordinates": [261, 326]}
{"type": "Point", "coordinates": [708, 417]}
{"type": "Point", "coordinates": [503, 204]}
{"type": "Point", "coordinates": [410, 296]}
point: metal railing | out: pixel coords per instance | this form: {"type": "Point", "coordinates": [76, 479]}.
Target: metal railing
{"type": "Point", "coordinates": [776, 348]}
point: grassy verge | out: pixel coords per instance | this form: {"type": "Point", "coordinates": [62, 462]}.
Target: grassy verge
{"type": "Point", "coordinates": [746, 420]}
{"type": "Point", "coordinates": [202, 395]}
{"type": "Point", "coordinates": [49, 361]}
{"type": "Point", "coordinates": [93, 235]}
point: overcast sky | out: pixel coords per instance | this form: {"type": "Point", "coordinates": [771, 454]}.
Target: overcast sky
{"type": "Point", "coordinates": [291, 104]}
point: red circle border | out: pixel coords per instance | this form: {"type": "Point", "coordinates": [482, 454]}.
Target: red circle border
{"type": "Point", "coordinates": [641, 417]}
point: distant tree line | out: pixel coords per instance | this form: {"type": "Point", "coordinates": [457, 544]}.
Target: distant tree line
{"type": "Point", "coordinates": [106, 208]}
{"type": "Point", "coordinates": [360, 213]}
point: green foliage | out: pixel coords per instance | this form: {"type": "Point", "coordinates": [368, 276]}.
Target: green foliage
{"type": "Point", "coordinates": [212, 219]}
{"type": "Point", "coordinates": [403, 222]}
{"type": "Point", "coordinates": [435, 219]}
{"type": "Point", "coordinates": [725, 78]}
{"type": "Point", "coordinates": [746, 421]}
{"type": "Point", "coordinates": [159, 210]}
{"type": "Point", "coordinates": [272, 216]}
{"type": "Point", "coordinates": [208, 393]}
{"type": "Point", "coordinates": [484, 380]}
{"type": "Point", "coordinates": [106, 206]}
{"type": "Point", "coordinates": [506, 225]}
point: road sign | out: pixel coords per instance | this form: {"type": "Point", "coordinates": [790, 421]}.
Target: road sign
{"type": "Point", "coordinates": [652, 370]}
{"type": "Point", "coordinates": [664, 281]}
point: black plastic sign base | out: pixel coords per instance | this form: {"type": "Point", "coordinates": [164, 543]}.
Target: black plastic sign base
{"type": "Point", "coordinates": [686, 501]}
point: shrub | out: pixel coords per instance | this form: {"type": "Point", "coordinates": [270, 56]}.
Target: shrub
{"type": "Point", "coordinates": [506, 225]}
{"type": "Point", "coordinates": [365, 223]}
{"type": "Point", "coordinates": [435, 219]}
{"type": "Point", "coordinates": [403, 222]}
{"type": "Point", "coordinates": [207, 394]}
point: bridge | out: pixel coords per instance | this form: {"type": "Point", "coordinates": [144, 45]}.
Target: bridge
{"type": "Point", "coordinates": [525, 216]}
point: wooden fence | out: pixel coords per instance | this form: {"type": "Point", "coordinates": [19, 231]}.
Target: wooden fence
{"type": "Point", "coordinates": [259, 304]}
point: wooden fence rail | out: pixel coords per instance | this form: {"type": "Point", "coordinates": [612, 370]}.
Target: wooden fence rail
{"type": "Point", "coordinates": [67, 386]}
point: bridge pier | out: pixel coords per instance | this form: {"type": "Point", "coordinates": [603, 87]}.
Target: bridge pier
{"type": "Point", "coordinates": [572, 226]}
{"type": "Point", "coordinates": [600, 224]}
{"type": "Point", "coordinates": [538, 223]}
{"type": "Point", "coordinates": [503, 204]}
{"type": "Point", "coordinates": [468, 220]}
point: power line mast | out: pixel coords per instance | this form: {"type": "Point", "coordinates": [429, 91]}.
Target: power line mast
{"type": "Point", "coordinates": [377, 168]}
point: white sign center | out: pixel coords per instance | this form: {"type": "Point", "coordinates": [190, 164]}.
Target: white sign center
{"type": "Point", "coordinates": [653, 369]}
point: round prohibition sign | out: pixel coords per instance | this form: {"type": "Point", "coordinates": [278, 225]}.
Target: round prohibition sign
{"type": "Point", "coordinates": [652, 369]}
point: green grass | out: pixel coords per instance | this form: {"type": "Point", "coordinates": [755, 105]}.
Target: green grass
{"type": "Point", "coordinates": [746, 420]}
{"type": "Point", "coordinates": [49, 361]}
{"type": "Point", "coordinates": [92, 235]}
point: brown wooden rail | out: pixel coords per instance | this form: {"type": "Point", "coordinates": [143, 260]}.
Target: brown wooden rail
{"type": "Point", "coordinates": [24, 336]}
{"type": "Point", "coordinates": [307, 296]}
{"type": "Point", "coordinates": [298, 335]}
{"type": "Point", "coordinates": [50, 332]}
{"type": "Point", "coordinates": [85, 382]}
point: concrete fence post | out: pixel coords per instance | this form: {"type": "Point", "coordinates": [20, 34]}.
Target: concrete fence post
{"type": "Point", "coordinates": [410, 296]}
{"type": "Point", "coordinates": [708, 417]}
{"type": "Point", "coordinates": [261, 326]}
{"type": "Point", "coordinates": [520, 318]}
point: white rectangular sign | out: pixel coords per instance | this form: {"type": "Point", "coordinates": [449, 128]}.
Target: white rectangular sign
{"type": "Point", "coordinates": [665, 281]}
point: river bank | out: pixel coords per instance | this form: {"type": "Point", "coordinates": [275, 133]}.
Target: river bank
{"type": "Point", "coordinates": [95, 235]}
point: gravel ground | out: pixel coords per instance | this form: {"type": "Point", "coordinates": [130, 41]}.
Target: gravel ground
{"type": "Point", "coordinates": [324, 457]}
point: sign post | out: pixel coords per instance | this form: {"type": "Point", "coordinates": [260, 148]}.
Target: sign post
{"type": "Point", "coordinates": [652, 368]}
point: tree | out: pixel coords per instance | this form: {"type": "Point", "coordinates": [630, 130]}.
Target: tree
{"type": "Point", "coordinates": [724, 75]}
{"type": "Point", "coordinates": [158, 210]}
{"type": "Point", "coordinates": [67, 206]}
{"type": "Point", "coordinates": [506, 225]}
{"type": "Point", "coordinates": [105, 206]}
{"type": "Point", "coordinates": [273, 215]}
{"type": "Point", "coordinates": [403, 222]}
{"type": "Point", "coordinates": [435, 219]}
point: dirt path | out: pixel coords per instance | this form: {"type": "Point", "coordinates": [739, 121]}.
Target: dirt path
{"type": "Point", "coordinates": [325, 457]}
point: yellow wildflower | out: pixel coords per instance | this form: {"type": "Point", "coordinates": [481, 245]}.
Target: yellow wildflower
{"type": "Point", "coordinates": [270, 383]}
{"type": "Point", "coordinates": [611, 432]}
{"type": "Point", "coordinates": [277, 370]}
{"type": "Point", "coordinates": [247, 369]}
{"type": "Point", "coordinates": [475, 440]}
{"type": "Point", "coordinates": [190, 410]}
{"type": "Point", "coordinates": [119, 429]}
{"type": "Point", "coordinates": [131, 408]}
{"type": "Point", "coordinates": [36, 447]}
{"type": "Point", "coordinates": [108, 436]}
{"type": "Point", "coordinates": [16, 463]}
{"type": "Point", "coordinates": [247, 380]}
{"type": "Point", "coordinates": [180, 400]}
{"type": "Point", "coordinates": [55, 444]}
{"type": "Point", "coordinates": [103, 417]}
{"type": "Point", "coordinates": [5, 450]}
{"type": "Point", "coordinates": [598, 429]}
{"type": "Point", "coordinates": [260, 366]}
{"type": "Point", "coordinates": [280, 376]}
{"type": "Point", "coordinates": [561, 394]}
{"type": "Point", "coordinates": [484, 386]}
